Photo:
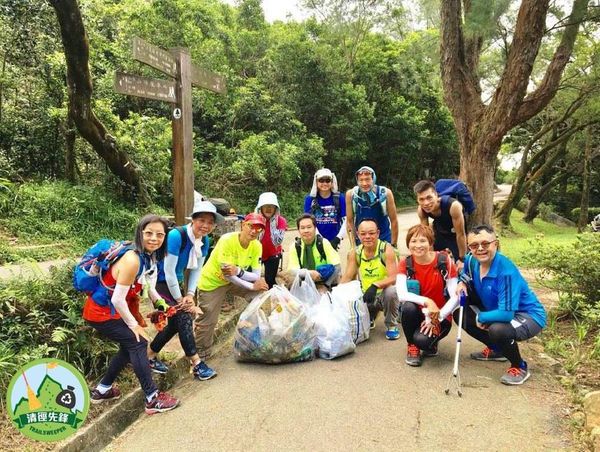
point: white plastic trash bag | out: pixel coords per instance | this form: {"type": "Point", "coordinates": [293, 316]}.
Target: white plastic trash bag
{"type": "Point", "coordinates": [333, 329]}
{"type": "Point", "coordinates": [350, 296]}
{"type": "Point", "coordinates": [275, 328]}
{"type": "Point", "coordinates": [305, 290]}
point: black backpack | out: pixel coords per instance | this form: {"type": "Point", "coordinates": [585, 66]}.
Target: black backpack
{"type": "Point", "coordinates": [320, 249]}
{"type": "Point", "coordinates": [441, 265]}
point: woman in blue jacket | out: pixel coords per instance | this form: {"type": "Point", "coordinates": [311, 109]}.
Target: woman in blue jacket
{"type": "Point", "coordinates": [187, 246]}
{"type": "Point", "coordinates": [502, 309]}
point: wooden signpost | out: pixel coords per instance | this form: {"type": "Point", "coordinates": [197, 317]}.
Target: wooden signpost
{"type": "Point", "coordinates": [175, 63]}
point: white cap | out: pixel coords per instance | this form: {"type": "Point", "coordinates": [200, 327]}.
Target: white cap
{"type": "Point", "coordinates": [207, 207]}
{"type": "Point", "coordinates": [324, 172]}
{"type": "Point", "coordinates": [267, 198]}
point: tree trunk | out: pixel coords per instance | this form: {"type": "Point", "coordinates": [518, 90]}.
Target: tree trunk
{"type": "Point", "coordinates": [538, 197]}
{"type": "Point", "coordinates": [481, 128]}
{"type": "Point", "coordinates": [79, 84]}
{"type": "Point", "coordinates": [585, 190]}
{"type": "Point", "coordinates": [70, 159]}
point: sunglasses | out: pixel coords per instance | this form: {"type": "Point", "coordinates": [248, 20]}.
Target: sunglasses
{"type": "Point", "coordinates": [255, 227]}
{"type": "Point", "coordinates": [484, 245]}
{"type": "Point", "coordinates": [150, 234]}
{"type": "Point", "coordinates": [325, 180]}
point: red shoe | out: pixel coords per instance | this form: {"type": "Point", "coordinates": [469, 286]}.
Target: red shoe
{"type": "Point", "coordinates": [161, 403]}
{"type": "Point", "coordinates": [413, 356]}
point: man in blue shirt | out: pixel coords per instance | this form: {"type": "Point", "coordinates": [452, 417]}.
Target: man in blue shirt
{"type": "Point", "coordinates": [502, 308]}
{"type": "Point", "coordinates": [328, 207]}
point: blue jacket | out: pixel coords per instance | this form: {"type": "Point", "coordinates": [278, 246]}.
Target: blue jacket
{"type": "Point", "coordinates": [503, 291]}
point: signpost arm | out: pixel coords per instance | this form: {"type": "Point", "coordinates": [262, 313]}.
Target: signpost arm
{"type": "Point", "coordinates": [183, 156]}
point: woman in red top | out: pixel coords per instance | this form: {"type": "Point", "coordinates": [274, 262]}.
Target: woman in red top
{"type": "Point", "coordinates": [272, 237]}
{"type": "Point", "coordinates": [426, 311]}
{"type": "Point", "coordinates": [115, 321]}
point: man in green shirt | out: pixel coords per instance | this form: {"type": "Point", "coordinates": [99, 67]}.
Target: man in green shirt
{"type": "Point", "coordinates": [375, 264]}
{"type": "Point", "coordinates": [313, 254]}
{"type": "Point", "coordinates": [233, 267]}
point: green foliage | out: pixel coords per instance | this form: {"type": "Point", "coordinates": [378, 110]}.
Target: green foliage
{"type": "Point", "coordinates": [572, 270]}
{"type": "Point", "coordinates": [592, 212]}
{"type": "Point", "coordinates": [41, 317]}
{"type": "Point", "coordinates": [35, 215]}
{"type": "Point", "coordinates": [505, 176]}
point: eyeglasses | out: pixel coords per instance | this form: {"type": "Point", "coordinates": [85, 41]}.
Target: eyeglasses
{"type": "Point", "coordinates": [325, 180]}
{"type": "Point", "coordinates": [255, 227]}
{"type": "Point", "coordinates": [484, 245]}
{"type": "Point", "coordinates": [150, 234]}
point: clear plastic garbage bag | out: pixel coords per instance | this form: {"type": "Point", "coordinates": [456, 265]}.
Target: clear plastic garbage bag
{"type": "Point", "coordinates": [305, 290]}
{"type": "Point", "coordinates": [275, 328]}
{"type": "Point", "coordinates": [333, 329]}
{"type": "Point", "coordinates": [349, 295]}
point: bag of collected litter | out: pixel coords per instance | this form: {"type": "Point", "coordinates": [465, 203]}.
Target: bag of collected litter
{"type": "Point", "coordinates": [305, 290]}
{"type": "Point", "coordinates": [275, 328]}
{"type": "Point", "coordinates": [333, 329]}
{"type": "Point", "coordinates": [350, 296]}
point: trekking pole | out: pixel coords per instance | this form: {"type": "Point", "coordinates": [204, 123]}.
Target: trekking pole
{"type": "Point", "coordinates": [455, 371]}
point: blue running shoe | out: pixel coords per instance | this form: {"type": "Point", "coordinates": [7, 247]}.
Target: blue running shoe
{"type": "Point", "coordinates": [392, 333]}
{"type": "Point", "coordinates": [158, 366]}
{"type": "Point", "coordinates": [203, 372]}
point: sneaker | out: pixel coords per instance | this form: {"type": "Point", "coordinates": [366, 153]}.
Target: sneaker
{"type": "Point", "coordinates": [430, 352]}
{"type": "Point", "coordinates": [203, 372]}
{"type": "Point", "coordinates": [392, 333]}
{"type": "Point", "coordinates": [413, 356]}
{"type": "Point", "coordinates": [161, 403]}
{"type": "Point", "coordinates": [515, 376]}
{"type": "Point", "coordinates": [487, 354]}
{"type": "Point", "coordinates": [372, 325]}
{"type": "Point", "coordinates": [158, 366]}
{"type": "Point", "coordinates": [112, 393]}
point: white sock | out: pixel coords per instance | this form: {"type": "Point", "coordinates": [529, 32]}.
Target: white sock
{"type": "Point", "coordinates": [151, 396]}
{"type": "Point", "coordinates": [103, 389]}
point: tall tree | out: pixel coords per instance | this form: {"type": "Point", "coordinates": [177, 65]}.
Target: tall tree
{"type": "Point", "coordinates": [79, 83]}
{"type": "Point", "coordinates": [481, 127]}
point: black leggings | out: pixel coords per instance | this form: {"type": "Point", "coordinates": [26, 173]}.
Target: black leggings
{"type": "Point", "coordinates": [181, 323]}
{"type": "Point", "coordinates": [501, 336]}
{"type": "Point", "coordinates": [412, 317]}
{"type": "Point", "coordinates": [271, 268]}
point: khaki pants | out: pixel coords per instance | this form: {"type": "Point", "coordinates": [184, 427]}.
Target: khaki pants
{"type": "Point", "coordinates": [386, 301]}
{"type": "Point", "coordinates": [210, 303]}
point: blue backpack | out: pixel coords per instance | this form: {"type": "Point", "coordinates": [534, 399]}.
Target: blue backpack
{"type": "Point", "coordinates": [88, 274]}
{"type": "Point", "coordinates": [458, 190]}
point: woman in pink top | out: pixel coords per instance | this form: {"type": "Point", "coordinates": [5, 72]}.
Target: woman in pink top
{"type": "Point", "coordinates": [272, 237]}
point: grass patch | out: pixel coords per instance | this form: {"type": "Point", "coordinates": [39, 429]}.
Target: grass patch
{"type": "Point", "coordinates": [516, 243]}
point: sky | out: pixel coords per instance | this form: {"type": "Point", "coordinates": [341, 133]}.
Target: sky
{"type": "Point", "coordinates": [278, 9]}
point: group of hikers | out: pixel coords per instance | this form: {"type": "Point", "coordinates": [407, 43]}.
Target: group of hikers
{"type": "Point", "coordinates": [418, 294]}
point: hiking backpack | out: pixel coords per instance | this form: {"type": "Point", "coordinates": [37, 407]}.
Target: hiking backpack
{"type": "Point", "coordinates": [380, 252]}
{"type": "Point", "coordinates": [458, 190]}
{"type": "Point", "coordinates": [381, 199]}
{"type": "Point", "coordinates": [88, 274]}
{"type": "Point", "coordinates": [320, 249]}
{"type": "Point", "coordinates": [441, 265]}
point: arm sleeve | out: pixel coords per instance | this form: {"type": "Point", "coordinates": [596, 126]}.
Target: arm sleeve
{"type": "Point", "coordinates": [250, 276]}
{"type": "Point", "coordinates": [452, 302]}
{"type": "Point", "coordinates": [193, 277]}
{"type": "Point", "coordinates": [120, 303]}
{"type": "Point", "coordinates": [404, 294]}
{"type": "Point", "coordinates": [240, 282]}
{"type": "Point", "coordinates": [171, 277]}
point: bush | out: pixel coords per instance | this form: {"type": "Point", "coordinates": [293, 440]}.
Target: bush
{"type": "Point", "coordinates": [592, 212]}
{"type": "Point", "coordinates": [42, 317]}
{"type": "Point", "coordinates": [573, 270]}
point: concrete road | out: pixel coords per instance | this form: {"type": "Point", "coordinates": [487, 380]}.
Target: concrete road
{"type": "Point", "coordinates": [366, 401]}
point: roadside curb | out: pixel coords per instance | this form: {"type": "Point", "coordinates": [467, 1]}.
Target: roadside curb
{"type": "Point", "coordinates": [121, 414]}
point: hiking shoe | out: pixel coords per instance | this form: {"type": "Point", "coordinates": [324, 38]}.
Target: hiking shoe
{"type": "Point", "coordinates": [515, 376]}
{"type": "Point", "coordinates": [430, 352]}
{"type": "Point", "coordinates": [161, 403]}
{"type": "Point", "coordinates": [112, 393]}
{"type": "Point", "coordinates": [203, 372]}
{"type": "Point", "coordinates": [413, 356]}
{"type": "Point", "coordinates": [158, 366]}
{"type": "Point", "coordinates": [392, 333]}
{"type": "Point", "coordinates": [487, 354]}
